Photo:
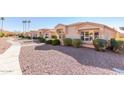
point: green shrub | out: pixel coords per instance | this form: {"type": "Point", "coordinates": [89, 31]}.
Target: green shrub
{"type": "Point", "coordinates": [48, 41]}
{"type": "Point", "coordinates": [55, 42]}
{"type": "Point", "coordinates": [76, 43]}
{"type": "Point", "coordinates": [119, 47]}
{"type": "Point", "coordinates": [54, 37]}
{"type": "Point", "coordinates": [46, 37]}
{"type": "Point", "coordinates": [100, 44]}
{"type": "Point", "coordinates": [21, 36]}
{"type": "Point", "coordinates": [35, 37]}
{"type": "Point", "coordinates": [2, 34]}
{"type": "Point", "coordinates": [113, 43]}
{"type": "Point", "coordinates": [67, 41]}
{"type": "Point", "coordinates": [41, 39]}
{"type": "Point", "coordinates": [27, 37]}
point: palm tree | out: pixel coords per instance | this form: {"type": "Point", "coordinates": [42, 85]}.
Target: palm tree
{"type": "Point", "coordinates": [2, 19]}
{"type": "Point", "coordinates": [28, 24]}
{"type": "Point", "coordinates": [24, 26]}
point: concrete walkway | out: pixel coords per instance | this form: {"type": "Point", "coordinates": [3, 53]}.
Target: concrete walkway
{"type": "Point", "coordinates": [9, 60]}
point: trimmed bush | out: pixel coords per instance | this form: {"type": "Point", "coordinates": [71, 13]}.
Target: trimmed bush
{"type": "Point", "coordinates": [55, 42]}
{"type": "Point", "coordinates": [76, 43]}
{"type": "Point", "coordinates": [21, 36]}
{"type": "Point", "coordinates": [1, 34]}
{"type": "Point", "coordinates": [54, 37]}
{"type": "Point", "coordinates": [119, 47]}
{"type": "Point", "coordinates": [35, 37]}
{"type": "Point", "coordinates": [24, 37]}
{"type": "Point", "coordinates": [27, 37]}
{"type": "Point", "coordinates": [48, 41]}
{"type": "Point", "coordinates": [100, 44]}
{"type": "Point", "coordinates": [113, 43]}
{"type": "Point", "coordinates": [41, 39]}
{"type": "Point", "coordinates": [67, 41]}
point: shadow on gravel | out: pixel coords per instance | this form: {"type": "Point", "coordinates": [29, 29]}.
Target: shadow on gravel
{"type": "Point", "coordinates": [90, 57]}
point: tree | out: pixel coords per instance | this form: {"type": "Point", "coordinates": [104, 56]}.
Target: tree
{"type": "Point", "coordinates": [28, 24]}
{"type": "Point", "coordinates": [2, 20]}
{"type": "Point", "coordinates": [24, 26]}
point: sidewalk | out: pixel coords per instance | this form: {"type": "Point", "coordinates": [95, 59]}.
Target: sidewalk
{"type": "Point", "coordinates": [9, 60]}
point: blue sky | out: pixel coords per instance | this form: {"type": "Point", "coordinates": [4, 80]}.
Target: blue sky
{"type": "Point", "coordinates": [15, 23]}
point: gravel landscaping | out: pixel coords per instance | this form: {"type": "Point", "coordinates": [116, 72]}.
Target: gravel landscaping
{"type": "Point", "coordinates": [4, 45]}
{"type": "Point", "coordinates": [61, 60]}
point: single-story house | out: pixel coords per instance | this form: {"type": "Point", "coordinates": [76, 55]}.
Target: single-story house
{"type": "Point", "coordinates": [31, 33]}
{"type": "Point", "coordinates": [86, 31]}
{"type": "Point", "coordinates": [47, 33]}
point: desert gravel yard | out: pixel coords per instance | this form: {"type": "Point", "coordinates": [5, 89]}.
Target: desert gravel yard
{"type": "Point", "coordinates": [61, 60]}
{"type": "Point", "coordinates": [4, 45]}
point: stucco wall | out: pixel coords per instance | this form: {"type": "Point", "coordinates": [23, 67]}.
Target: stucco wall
{"type": "Point", "coordinates": [108, 33]}
{"type": "Point", "coordinates": [104, 32]}
{"type": "Point", "coordinates": [72, 32]}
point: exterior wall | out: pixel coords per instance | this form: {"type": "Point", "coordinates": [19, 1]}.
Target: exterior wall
{"type": "Point", "coordinates": [104, 32]}
{"type": "Point", "coordinates": [47, 32]}
{"type": "Point", "coordinates": [120, 36]}
{"type": "Point", "coordinates": [109, 33]}
{"type": "Point", "coordinates": [72, 32]}
{"type": "Point", "coordinates": [60, 26]}
{"type": "Point", "coordinates": [40, 33]}
{"type": "Point", "coordinates": [31, 33]}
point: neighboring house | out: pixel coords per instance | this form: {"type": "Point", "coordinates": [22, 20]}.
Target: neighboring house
{"type": "Point", "coordinates": [47, 33]}
{"type": "Point", "coordinates": [120, 36]}
{"type": "Point", "coordinates": [31, 33]}
{"type": "Point", "coordinates": [8, 33]}
{"type": "Point", "coordinates": [87, 31]}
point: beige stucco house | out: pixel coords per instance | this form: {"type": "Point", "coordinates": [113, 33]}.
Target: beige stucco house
{"type": "Point", "coordinates": [87, 31]}
{"type": "Point", "coordinates": [31, 33]}
{"type": "Point", "coordinates": [47, 33]}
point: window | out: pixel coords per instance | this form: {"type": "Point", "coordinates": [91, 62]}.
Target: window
{"type": "Point", "coordinates": [96, 35]}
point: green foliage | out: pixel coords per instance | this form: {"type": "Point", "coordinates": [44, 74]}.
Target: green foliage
{"type": "Point", "coordinates": [41, 39]}
{"type": "Point", "coordinates": [21, 36]}
{"type": "Point", "coordinates": [67, 41]}
{"type": "Point", "coordinates": [118, 47]}
{"type": "Point", "coordinates": [2, 34]}
{"type": "Point", "coordinates": [46, 37]}
{"type": "Point", "coordinates": [24, 37]}
{"type": "Point", "coordinates": [113, 43]}
{"type": "Point", "coordinates": [27, 37]}
{"type": "Point", "coordinates": [100, 44]}
{"type": "Point", "coordinates": [56, 42]}
{"type": "Point", "coordinates": [54, 37]}
{"type": "Point", "coordinates": [35, 37]}
{"type": "Point", "coordinates": [76, 43]}
{"type": "Point", "coordinates": [48, 41]}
